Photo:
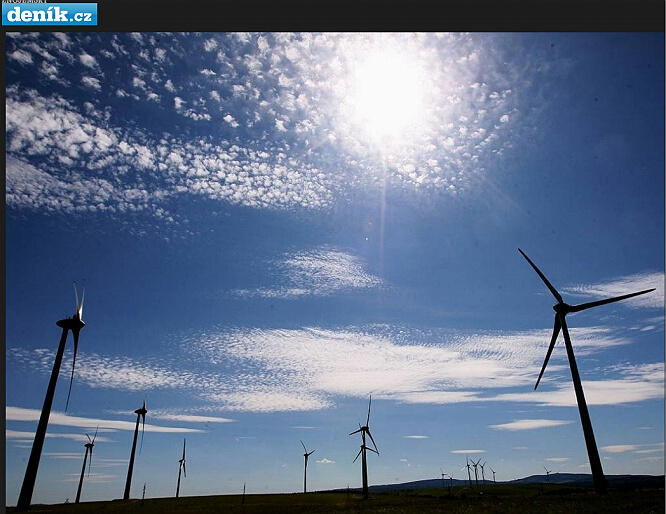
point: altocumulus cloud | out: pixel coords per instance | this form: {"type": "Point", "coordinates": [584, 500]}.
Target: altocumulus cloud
{"type": "Point", "coordinates": [282, 95]}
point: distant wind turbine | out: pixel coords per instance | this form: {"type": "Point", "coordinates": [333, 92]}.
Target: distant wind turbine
{"type": "Point", "coordinates": [547, 474]}
{"type": "Point", "coordinates": [561, 310]}
{"type": "Point", "coordinates": [89, 449]}
{"type": "Point", "coordinates": [181, 467]}
{"type": "Point", "coordinates": [491, 469]}
{"type": "Point", "coordinates": [469, 476]}
{"type": "Point", "coordinates": [450, 479]}
{"type": "Point", "coordinates": [75, 324]}
{"type": "Point", "coordinates": [483, 475]}
{"type": "Point", "coordinates": [140, 413]}
{"type": "Point", "coordinates": [305, 472]}
{"type": "Point", "coordinates": [476, 472]}
{"type": "Point", "coordinates": [362, 452]}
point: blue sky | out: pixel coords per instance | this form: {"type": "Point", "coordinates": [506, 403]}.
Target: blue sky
{"type": "Point", "coordinates": [274, 226]}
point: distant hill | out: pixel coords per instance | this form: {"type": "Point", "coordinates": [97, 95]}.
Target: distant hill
{"type": "Point", "coordinates": [575, 479]}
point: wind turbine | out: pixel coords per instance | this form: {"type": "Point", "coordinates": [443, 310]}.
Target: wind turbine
{"type": "Point", "coordinates": [364, 463]}
{"type": "Point", "coordinates": [561, 310]}
{"type": "Point", "coordinates": [491, 469]}
{"type": "Point", "coordinates": [469, 476]}
{"type": "Point", "coordinates": [483, 475]}
{"type": "Point", "coordinates": [181, 467]}
{"type": "Point", "coordinates": [305, 472]}
{"type": "Point", "coordinates": [89, 449]}
{"type": "Point", "coordinates": [450, 479]}
{"type": "Point", "coordinates": [476, 472]}
{"type": "Point", "coordinates": [75, 324]}
{"type": "Point", "coordinates": [140, 413]}
{"type": "Point", "coordinates": [547, 474]}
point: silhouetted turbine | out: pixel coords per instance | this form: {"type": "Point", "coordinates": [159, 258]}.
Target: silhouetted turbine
{"type": "Point", "coordinates": [139, 413]}
{"type": "Point", "coordinates": [181, 467]}
{"type": "Point", "coordinates": [547, 474]}
{"type": "Point", "coordinates": [89, 448]}
{"type": "Point", "coordinates": [305, 472]}
{"type": "Point", "coordinates": [476, 472]}
{"type": "Point", "coordinates": [469, 475]}
{"type": "Point", "coordinates": [491, 469]}
{"type": "Point", "coordinates": [362, 452]}
{"type": "Point", "coordinates": [561, 310]}
{"type": "Point", "coordinates": [483, 475]}
{"type": "Point", "coordinates": [75, 324]}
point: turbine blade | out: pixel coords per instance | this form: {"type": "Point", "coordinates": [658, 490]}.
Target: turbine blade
{"type": "Point", "coordinates": [359, 453]}
{"type": "Point", "coordinates": [90, 440]}
{"type": "Point", "coordinates": [79, 308]}
{"type": "Point", "coordinates": [306, 450]}
{"type": "Point", "coordinates": [75, 333]}
{"type": "Point", "coordinates": [143, 428]}
{"type": "Point", "coordinates": [556, 332]}
{"type": "Point", "coordinates": [373, 441]}
{"type": "Point", "coordinates": [184, 470]}
{"type": "Point", "coordinates": [183, 449]}
{"type": "Point", "coordinates": [583, 306]}
{"type": "Point", "coordinates": [369, 404]}
{"type": "Point", "coordinates": [355, 432]}
{"type": "Point", "coordinates": [76, 299]}
{"type": "Point", "coordinates": [95, 436]}
{"type": "Point", "coordinates": [368, 448]}
{"type": "Point", "coordinates": [557, 295]}
{"type": "Point", "coordinates": [90, 463]}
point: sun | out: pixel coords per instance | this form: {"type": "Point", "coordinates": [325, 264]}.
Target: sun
{"type": "Point", "coordinates": [385, 100]}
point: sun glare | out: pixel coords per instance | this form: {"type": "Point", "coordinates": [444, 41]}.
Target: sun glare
{"type": "Point", "coordinates": [385, 96]}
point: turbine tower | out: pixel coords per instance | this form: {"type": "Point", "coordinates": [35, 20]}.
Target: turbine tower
{"type": "Point", "coordinates": [561, 310]}
{"type": "Point", "coordinates": [362, 452]}
{"type": "Point", "coordinates": [75, 324]}
{"type": "Point", "coordinates": [139, 413]}
{"type": "Point", "coordinates": [89, 449]}
{"type": "Point", "coordinates": [483, 475]}
{"type": "Point", "coordinates": [181, 467]}
{"type": "Point", "coordinates": [305, 472]}
{"type": "Point", "coordinates": [491, 469]}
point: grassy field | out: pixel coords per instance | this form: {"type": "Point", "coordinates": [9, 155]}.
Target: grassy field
{"type": "Point", "coordinates": [487, 500]}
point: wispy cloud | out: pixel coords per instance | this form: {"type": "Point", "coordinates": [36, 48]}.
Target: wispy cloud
{"type": "Point", "coordinates": [627, 285]}
{"type": "Point", "coordinates": [325, 461]}
{"type": "Point", "coordinates": [467, 451]}
{"type": "Point", "coordinates": [62, 419]}
{"type": "Point", "coordinates": [529, 424]}
{"type": "Point", "coordinates": [30, 436]}
{"type": "Point", "coordinates": [415, 437]}
{"type": "Point", "coordinates": [264, 370]}
{"type": "Point", "coordinates": [320, 272]}
{"type": "Point", "coordinates": [557, 459]}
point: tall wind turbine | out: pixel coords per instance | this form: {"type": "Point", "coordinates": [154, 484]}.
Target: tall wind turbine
{"type": "Point", "coordinates": [181, 467]}
{"type": "Point", "coordinates": [362, 452]}
{"type": "Point", "coordinates": [491, 469]}
{"type": "Point", "coordinates": [469, 476]}
{"type": "Point", "coordinates": [450, 479]}
{"type": "Point", "coordinates": [75, 324]}
{"type": "Point", "coordinates": [483, 475]}
{"type": "Point", "coordinates": [140, 413]}
{"type": "Point", "coordinates": [476, 472]}
{"type": "Point", "coordinates": [561, 310]}
{"type": "Point", "coordinates": [305, 472]}
{"type": "Point", "coordinates": [89, 449]}
{"type": "Point", "coordinates": [548, 471]}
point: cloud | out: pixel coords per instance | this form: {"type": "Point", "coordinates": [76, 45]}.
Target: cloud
{"type": "Point", "coordinates": [467, 451]}
{"type": "Point", "coordinates": [619, 448]}
{"type": "Point", "coordinates": [626, 285]}
{"type": "Point", "coordinates": [304, 369]}
{"type": "Point", "coordinates": [638, 383]}
{"type": "Point", "coordinates": [529, 424]}
{"type": "Point", "coordinates": [30, 436]}
{"type": "Point", "coordinates": [325, 461]}
{"type": "Point", "coordinates": [319, 272]}
{"type": "Point", "coordinates": [188, 418]}
{"type": "Point", "coordinates": [287, 93]}
{"type": "Point", "coordinates": [557, 459]}
{"type": "Point", "coordinates": [415, 437]}
{"type": "Point", "coordinates": [62, 419]}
